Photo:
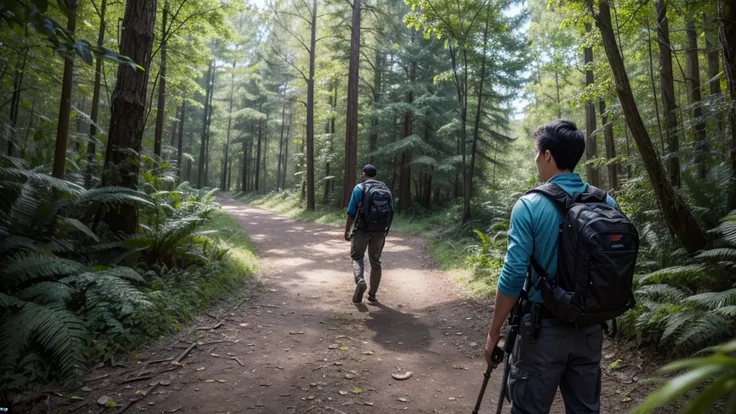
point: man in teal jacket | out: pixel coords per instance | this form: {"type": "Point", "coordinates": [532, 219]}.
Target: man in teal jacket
{"type": "Point", "coordinates": [563, 355]}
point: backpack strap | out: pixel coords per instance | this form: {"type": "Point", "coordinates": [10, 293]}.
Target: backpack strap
{"type": "Point", "coordinates": [559, 197]}
{"type": "Point", "coordinates": [592, 195]}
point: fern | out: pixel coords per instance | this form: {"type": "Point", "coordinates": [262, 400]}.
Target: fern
{"type": "Point", "coordinates": [706, 329]}
{"type": "Point", "coordinates": [24, 267]}
{"type": "Point", "coordinates": [57, 331]}
{"type": "Point", "coordinates": [714, 300]}
{"type": "Point", "coordinates": [679, 275]}
{"type": "Point", "coordinates": [662, 293]}
{"type": "Point", "coordinates": [46, 293]}
{"type": "Point", "coordinates": [112, 197]}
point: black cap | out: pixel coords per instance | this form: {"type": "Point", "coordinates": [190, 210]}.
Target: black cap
{"type": "Point", "coordinates": [370, 170]}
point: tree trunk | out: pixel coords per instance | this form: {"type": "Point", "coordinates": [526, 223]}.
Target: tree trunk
{"type": "Point", "coordinates": [244, 173]}
{"type": "Point", "coordinates": [203, 141]}
{"type": "Point", "coordinates": [161, 111]}
{"type": "Point", "coordinates": [675, 212]}
{"type": "Point", "coordinates": [478, 113]}
{"type": "Point", "coordinates": [264, 180]}
{"type": "Point", "coordinates": [330, 131]}
{"type": "Point", "coordinates": [281, 146]}
{"type": "Point", "coordinates": [405, 176]}
{"type": "Point", "coordinates": [65, 104]}
{"type": "Point", "coordinates": [727, 32]}
{"type": "Point", "coordinates": [229, 125]}
{"type": "Point", "coordinates": [373, 141]}
{"type": "Point", "coordinates": [591, 145]}
{"type": "Point", "coordinates": [258, 154]}
{"type": "Point", "coordinates": [667, 86]}
{"type": "Point", "coordinates": [180, 143]}
{"type": "Point", "coordinates": [695, 98]}
{"type": "Point", "coordinates": [15, 99]}
{"type": "Point", "coordinates": [310, 111]}
{"type": "Point", "coordinates": [286, 151]}
{"type": "Point", "coordinates": [211, 109]}
{"type": "Point", "coordinates": [128, 108]}
{"type": "Point", "coordinates": [94, 113]}
{"type": "Point", "coordinates": [610, 147]}
{"type": "Point", "coordinates": [351, 122]}
{"type": "Point", "coordinates": [714, 67]}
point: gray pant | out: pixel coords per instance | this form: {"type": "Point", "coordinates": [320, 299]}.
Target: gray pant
{"type": "Point", "coordinates": [374, 242]}
{"type": "Point", "coordinates": [562, 355]}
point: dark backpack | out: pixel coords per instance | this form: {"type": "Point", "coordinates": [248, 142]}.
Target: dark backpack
{"type": "Point", "coordinates": [597, 251]}
{"type": "Point", "coordinates": [377, 207]}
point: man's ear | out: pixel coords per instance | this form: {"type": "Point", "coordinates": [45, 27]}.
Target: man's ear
{"type": "Point", "coordinates": [547, 155]}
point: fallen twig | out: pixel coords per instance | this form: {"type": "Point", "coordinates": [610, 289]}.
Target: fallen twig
{"type": "Point", "coordinates": [147, 363]}
{"type": "Point", "coordinates": [145, 393]}
{"type": "Point", "coordinates": [209, 328]}
{"type": "Point", "coordinates": [220, 342]}
{"type": "Point", "coordinates": [237, 360]}
{"type": "Point", "coordinates": [241, 303]}
{"type": "Point", "coordinates": [181, 356]}
{"type": "Point", "coordinates": [210, 316]}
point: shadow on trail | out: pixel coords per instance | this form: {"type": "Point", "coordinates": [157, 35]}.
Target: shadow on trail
{"type": "Point", "coordinates": [396, 330]}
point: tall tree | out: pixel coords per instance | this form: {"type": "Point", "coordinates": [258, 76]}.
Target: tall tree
{"type": "Point", "coordinates": [351, 122]}
{"type": "Point", "coordinates": [667, 87]}
{"type": "Point", "coordinates": [727, 32]}
{"type": "Point", "coordinates": [695, 97]}
{"type": "Point", "coordinates": [161, 112]}
{"type": "Point", "coordinates": [128, 108]}
{"type": "Point", "coordinates": [180, 142]}
{"type": "Point", "coordinates": [675, 212]}
{"type": "Point", "coordinates": [94, 112]}
{"type": "Point", "coordinates": [226, 152]}
{"type": "Point", "coordinates": [65, 104]}
{"type": "Point", "coordinates": [591, 146]}
{"type": "Point", "coordinates": [610, 147]}
{"type": "Point", "coordinates": [208, 85]}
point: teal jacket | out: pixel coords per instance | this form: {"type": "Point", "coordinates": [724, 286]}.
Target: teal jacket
{"type": "Point", "coordinates": [534, 228]}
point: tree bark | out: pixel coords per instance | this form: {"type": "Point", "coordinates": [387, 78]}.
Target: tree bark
{"type": "Point", "coordinates": [286, 150]}
{"type": "Point", "coordinates": [15, 98]}
{"type": "Point", "coordinates": [405, 176]}
{"type": "Point", "coordinates": [591, 145]}
{"type": "Point", "coordinates": [161, 111]}
{"type": "Point", "coordinates": [714, 67]}
{"type": "Point", "coordinates": [128, 108]}
{"type": "Point", "coordinates": [180, 143]}
{"type": "Point", "coordinates": [351, 122]}
{"type": "Point", "coordinates": [310, 111]}
{"type": "Point", "coordinates": [654, 87]}
{"type": "Point", "coordinates": [727, 32]}
{"type": "Point", "coordinates": [281, 146]}
{"type": "Point", "coordinates": [675, 212]}
{"type": "Point", "coordinates": [610, 147]}
{"type": "Point", "coordinates": [264, 180]}
{"type": "Point", "coordinates": [695, 98]}
{"type": "Point", "coordinates": [203, 141]}
{"type": "Point", "coordinates": [226, 154]}
{"type": "Point", "coordinates": [65, 104]}
{"type": "Point", "coordinates": [478, 113]}
{"type": "Point", "coordinates": [209, 125]}
{"type": "Point", "coordinates": [373, 141]}
{"type": "Point", "coordinates": [94, 113]}
{"type": "Point", "coordinates": [258, 153]}
{"type": "Point", "coordinates": [667, 87]}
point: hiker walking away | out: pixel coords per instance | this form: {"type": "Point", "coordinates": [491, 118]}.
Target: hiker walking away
{"type": "Point", "coordinates": [370, 214]}
{"type": "Point", "coordinates": [582, 251]}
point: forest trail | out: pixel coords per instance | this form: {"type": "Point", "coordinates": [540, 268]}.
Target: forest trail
{"type": "Point", "coordinates": [301, 346]}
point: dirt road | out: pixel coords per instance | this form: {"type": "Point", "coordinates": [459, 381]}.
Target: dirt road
{"type": "Point", "coordinates": [302, 346]}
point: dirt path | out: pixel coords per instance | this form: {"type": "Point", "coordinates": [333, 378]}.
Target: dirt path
{"type": "Point", "coordinates": [302, 346]}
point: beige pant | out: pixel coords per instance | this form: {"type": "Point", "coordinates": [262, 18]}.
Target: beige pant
{"type": "Point", "coordinates": [374, 242]}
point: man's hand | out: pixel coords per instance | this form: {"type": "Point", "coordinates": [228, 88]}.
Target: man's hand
{"type": "Point", "coordinates": [491, 342]}
{"type": "Point", "coordinates": [347, 236]}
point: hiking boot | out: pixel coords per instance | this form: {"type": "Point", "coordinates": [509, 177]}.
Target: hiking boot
{"type": "Point", "coordinates": [372, 299]}
{"type": "Point", "coordinates": [360, 288]}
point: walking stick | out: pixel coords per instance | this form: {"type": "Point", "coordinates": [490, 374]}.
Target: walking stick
{"type": "Point", "coordinates": [497, 357]}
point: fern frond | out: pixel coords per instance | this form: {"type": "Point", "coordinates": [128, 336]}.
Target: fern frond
{"type": "Point", "coordinates": [675, 322]}
{"type": "Point", "coordinates": [662, 293]}
{"type": "Point", "coordinates": [714, 300]}
{"type": "Point", "coordinates": [727, 311]}
{"type": "Point", "coordinates": [207, 199]}
{"type": "Point", "coordinates": [58, 331]}
{"type": "Point", "coordinates": [46, 293]}
{"type": "Point", "coordinates": [112, 196]}
{"type": "Point", "coordinates": [717, 255]}
{"type": "Point", "coordinates": [39, 178]}
{"type": "Point", "coordinates": [22, 216]}
{"type": "Point", "coordinates": [708, 328]}
{"type": "Point", "coordinates": [677, 275]}
{"type": "Point", "coordinates": [23, 267]}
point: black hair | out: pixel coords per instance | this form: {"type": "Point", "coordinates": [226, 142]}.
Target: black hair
{"type": "Point", "coordinates": [370, 171]}
{"type": "Point", "coordinates": [564, 140]}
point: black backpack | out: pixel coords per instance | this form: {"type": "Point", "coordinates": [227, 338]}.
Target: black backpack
{"type": "Point", "coordinates": [377, 207]}
{"type": "Point", "coordinates": [597, 252]}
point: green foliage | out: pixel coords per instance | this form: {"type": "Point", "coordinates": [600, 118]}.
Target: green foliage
{"type": "Point", "coordinates": [708, 380]}
{"type": "Point", "coordinates": [64, 296]}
